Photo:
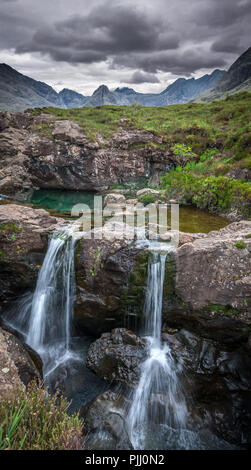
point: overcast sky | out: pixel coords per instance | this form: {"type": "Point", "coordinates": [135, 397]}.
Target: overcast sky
{"type": "Point", "coordinates": [145, 44]}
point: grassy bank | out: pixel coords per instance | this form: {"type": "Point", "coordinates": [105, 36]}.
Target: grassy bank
{"type": "Point", "coordinates": [213, 139]}
{"type": "Point", "coordinates": [32, 420]}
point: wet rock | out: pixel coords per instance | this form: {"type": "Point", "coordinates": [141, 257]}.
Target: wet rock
{"type": "Point", "coordinates": [116, 356]}
{"type": "Point", "coordinates": [23, 241]}
{"type": "Point", "coordinates": [17, 368]}
{"type": "Point", "coordinates": [105, 423]}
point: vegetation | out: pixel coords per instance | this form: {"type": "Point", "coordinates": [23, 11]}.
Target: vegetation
{"type": "Point", "coordinates": [214, 193]}
{"type": "Point", "coordinates": [212, 139]}
{"type": "Point", "coordinates": [241, 245]}
{"type": "Point", "coordinates": [32, 420]}
{"type": "Point", "coordinates": [147, 198]}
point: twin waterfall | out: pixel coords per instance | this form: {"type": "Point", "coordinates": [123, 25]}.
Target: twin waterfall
{"type": "Point", "coordinates": [45, 318]}
{"type": "Point", "coordinates": [158, 400]}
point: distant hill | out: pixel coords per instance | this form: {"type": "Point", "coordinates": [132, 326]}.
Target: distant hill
{"type": "Point", "coordinates": [19, 92]}
{"type": "Point", "coordinates": [237, 78]}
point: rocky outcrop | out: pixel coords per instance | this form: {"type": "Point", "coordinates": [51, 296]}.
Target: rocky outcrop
{"type": "Point", "coordinates": [206, 289]}
{"type": "Point", "coordinates": [23, 241]}
{"type": "Point", "coordinates": [116, 356]}
{"type": "Point", "coordinates": [43, 152]}
{"type": "Point", "coordinates": [17, 369]}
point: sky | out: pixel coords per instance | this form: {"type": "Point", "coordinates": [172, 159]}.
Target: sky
{"type": "Point", "coordinates": [143, 44]}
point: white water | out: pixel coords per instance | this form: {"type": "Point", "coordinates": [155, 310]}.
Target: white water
{"type": "Point", "coordinates": [158, 399]}
{"type": "Point", "coordinates": [45, 317]}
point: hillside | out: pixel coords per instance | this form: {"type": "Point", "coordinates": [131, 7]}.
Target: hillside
{"type": "Point", "coordinates": [237, 78]}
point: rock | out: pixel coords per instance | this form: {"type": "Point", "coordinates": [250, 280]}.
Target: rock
{"type": "Point", "coordinates": [45, 152]}
{"type": "Point", "coordinates": [114, 198]}
{"type": "Point", "coordinates": [23, 241]}
{"type": "Point", "coordinates": [132, 201]}
{"type": "Point", "coordinates": [17, 369]}
{"type": "Point", "coordinates": [116, 356]}
{"type": "Point", "coordinates": [216, 380]}
{"type": "Point", "coordinates": [213, 270]}
{"type": "Point", "coordinates": [103, 268]}
{"type": "Point", "coordinates": [105, 423]}
{"type": "Point", "coordinates": [143, 192]}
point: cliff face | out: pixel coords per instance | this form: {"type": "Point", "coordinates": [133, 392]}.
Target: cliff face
{"type": "Point", "coordinates": [41, 152]}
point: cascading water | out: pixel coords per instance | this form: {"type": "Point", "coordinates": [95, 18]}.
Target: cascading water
{"type": "Point", "coordinates": [49, 328]}
{"type": "Point", "coordinates": [158, 399]}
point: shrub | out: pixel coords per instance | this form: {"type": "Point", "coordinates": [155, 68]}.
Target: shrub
{"type": "Point", "coordinates": [32, 420]}
{"type": "Point", "coordinates": [215, 193]}
{"type": "Point", "coordinates": [147, 199]}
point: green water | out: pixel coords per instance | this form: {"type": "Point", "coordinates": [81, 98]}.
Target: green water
{"type": "Point", "coordinates": [61, 202]}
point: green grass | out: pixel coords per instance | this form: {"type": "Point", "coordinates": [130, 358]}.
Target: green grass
{"type": "Point", "coordinates": [32, 420]}
{"type": "Point", "coordinates": [212, 139]}
{"type": "Point", "coordinates": [220, 125]}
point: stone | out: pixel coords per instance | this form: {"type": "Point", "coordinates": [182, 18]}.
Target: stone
{"type": "Point", "coordinates": [114, 198]}
{"type": "Point", "coordinates": [23, 241]}
{"type": "Point", "coordinates": [212, 270]}
{"type": "Point", "coordinates": [105, 422]}
{"type": "Point", "coordinates": [144, 191]}
{"type": "Point", "coordinates": [17, 368]}
{"type": "Point", "coordinates": [116, 356]}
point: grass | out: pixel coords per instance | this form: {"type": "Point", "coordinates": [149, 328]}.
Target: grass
{"type": "Point", "coordinates": [212, 139]}
{"type": "Point", "coordinates": [223, 125]}
{"type": "Point", "coordinates": [32, 420]}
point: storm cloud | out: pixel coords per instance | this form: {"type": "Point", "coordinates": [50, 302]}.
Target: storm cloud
{"type": "Point", "coordinates": [138, 42]}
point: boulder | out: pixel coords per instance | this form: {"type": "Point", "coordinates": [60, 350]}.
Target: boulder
{"type": "Point", "coordinates": [144, 191]}
{"type": "Point", "coordinates": [17, 368]}
{"type": "Point", "coordinates": [105, 422]}
{"type": "Point", "coordinates": [114, 198]}
{"type": "Point", "coordinates": [116, 356]}
{"type": "Point", "coordinates": [216, 269]}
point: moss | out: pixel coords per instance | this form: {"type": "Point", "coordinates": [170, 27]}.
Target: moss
{"type": "Point", "coordinates": [133, 296]}
{"type": "Point", "coordinates": [241, 245]}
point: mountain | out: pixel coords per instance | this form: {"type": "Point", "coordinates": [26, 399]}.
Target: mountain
{"type": "Point", "coordinates": [237, 78]}
{"type": "Point", "coordinates": [72, 99]}
{"type": "Point", "coordinates": [19, 92]}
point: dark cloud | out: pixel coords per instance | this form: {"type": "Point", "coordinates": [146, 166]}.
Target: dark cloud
{"type": "Point", "coordinates": [105, 32]}
{"type": "Point", "coordinates": [179, 63]}
{"type": "Point", "coordinates": [140, 77]}
{"type": "Point", "coordinates": [222, 12]}
{"type": "Point", "coordinates": [138, 38]}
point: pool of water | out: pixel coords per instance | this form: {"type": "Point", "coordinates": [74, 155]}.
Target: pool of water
{"type": "Point", "coordinates": [60, 202]}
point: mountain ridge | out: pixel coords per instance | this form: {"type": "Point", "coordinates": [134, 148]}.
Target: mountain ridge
{"type": "Point", "coordinates": [19, 92]}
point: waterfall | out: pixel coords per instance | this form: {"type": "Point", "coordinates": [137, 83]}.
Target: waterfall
{"type": "Point", "coordinates": [158, 400]}
{"type": "Point", "coordinates": [52, 303]}
{"type": "Point", "coordinates": [49, 328]}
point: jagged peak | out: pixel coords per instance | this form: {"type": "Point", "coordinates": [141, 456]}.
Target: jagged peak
{"type": "Point", "coordinates": [101, 89]}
